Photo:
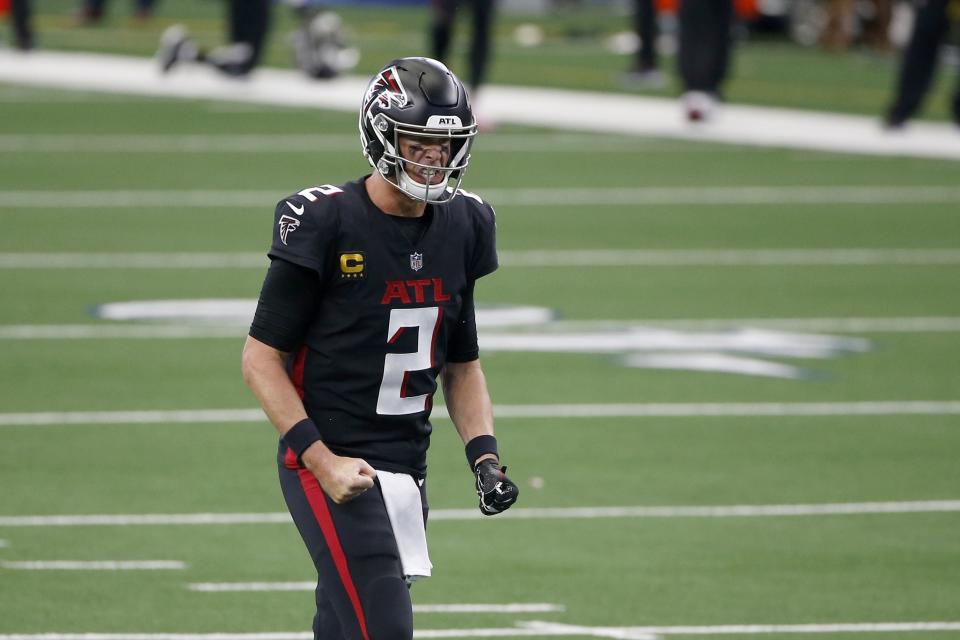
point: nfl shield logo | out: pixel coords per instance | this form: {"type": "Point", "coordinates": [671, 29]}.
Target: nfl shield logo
{"type": "Point", "coordinates": [416, 261]}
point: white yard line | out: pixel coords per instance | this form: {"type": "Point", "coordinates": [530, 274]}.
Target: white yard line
{"type": "Point", "coordinates": [728, 409]}
{"type": "Point", "coordinates": [266, 587]}
{"type": "Point", "coordinates": [314, 143]}
{"type": "Point", "coordinates": [229, 587]}
{"type": "Point", "coordinates": [234, 331]}
{"type": "Point", "coordinates": [837, 325]}
{"type": "Point", "coordinates": [62, 202]}
{"type": "Point", "coordinates": [712, 196]}
{"type": "Point", "coordinates": [154, 519]}
{"type": "Point", "coordinates": [515, 258]}
{"type": "Point", "coordinates": [637, 633]}
{"type": "Point", "coordinates": [94, 565]}
{"type": "Point", "coordinates": [619, 114]}
{"type": "Point", "coordinates": [132, 417]}
{"type": "Point", "coordinates": [517, 607]}
{"type": "Point", "coordinates": [624, 410]}
{"type": "Point", "coordinates": [118, 332]}
{"type": "Point", "coordinates": [533, 629]}
{"type": "Point", "coordinates": [519, 513]}
{"type": "Point", "coordinates": [727, 257]}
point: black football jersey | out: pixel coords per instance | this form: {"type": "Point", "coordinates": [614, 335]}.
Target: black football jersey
{"type": "Point", "coordinates": [390, 302]}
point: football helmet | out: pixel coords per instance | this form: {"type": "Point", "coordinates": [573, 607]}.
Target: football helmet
{"type": "Point", "coordinates": [421, 98]}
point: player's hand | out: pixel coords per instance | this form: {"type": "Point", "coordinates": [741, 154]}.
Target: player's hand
{"type": "Point", "coordinates": [497, 492]}
{"type": "Point", "coordinates": [341, 478]}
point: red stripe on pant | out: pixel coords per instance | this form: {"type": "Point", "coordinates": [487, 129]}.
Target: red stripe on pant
{"type": "Point", "coordinates": [318, 504]}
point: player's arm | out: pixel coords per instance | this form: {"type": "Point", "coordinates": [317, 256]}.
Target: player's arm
{"type": "Point", "coordinates": [469, 406]}
{"type": "Point", "coordinates": [468, 402]}
{"type": "Point", "coordinates": [283, 313]}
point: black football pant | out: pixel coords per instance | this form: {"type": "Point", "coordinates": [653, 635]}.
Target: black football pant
{"type": "Point", "coordinates": [249, 22]}
{"type": "Point", "coordinates": [444, 16]}
{"type": "Point", "coordinates": [645, 25]}
{"type": "Point", "coordinates": [704, 53]}
{"type": "Point", "coordinates": [930, 28]}
{"type": "Point", "coordinates": [22, 32]}
{"type": "Point", "coordinates": [95, 8]}
{"type": "Point", "coordinates": [361, 593]}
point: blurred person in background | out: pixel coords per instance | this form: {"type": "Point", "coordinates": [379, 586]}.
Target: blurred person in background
{"type": "Point", "coordinates": [248, 24]}
{"type": "Point", "coordinates": [930, 28]}
{"type": "Point", "coordinates": [842, 25]}
{"type": "Point", "coordinates": [92, 11]}
{"type": "Point", "coordinates": [704, 54]}
{"type": "Point", "coordinates": [444, 15]}
{"type": "Point", "coordinates": [20, 18]}
{"type": "Point", "coordinates": [367, 300]}
{"type": "Point", "coordinates": [320, 43]}
{"type": "Point", "coordinates": [645, 69]}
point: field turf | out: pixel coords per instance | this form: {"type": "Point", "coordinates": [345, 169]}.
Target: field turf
{"type": "Point", "coordinates": [618, 571]}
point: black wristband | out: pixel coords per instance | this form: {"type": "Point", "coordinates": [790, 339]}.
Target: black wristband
{"type": "Point", "coordinates": [479, 446]}
{"type": "Point", "coordinates": [301, 435]}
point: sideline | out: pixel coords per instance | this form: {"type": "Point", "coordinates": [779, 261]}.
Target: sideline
{"type": "Point", "coordinates": [619, 114]}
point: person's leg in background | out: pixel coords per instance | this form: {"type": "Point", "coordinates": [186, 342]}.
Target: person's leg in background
{"type": "Point", "coordinates": [444, 14]}
{"type": "Point", "coordinates": [704, 53]}
{"type": "Point", "coordinates": [480, 49]}
{"type": "Point", "coordinates": [644, 70]}
{"type": "Point", "coordinates": [930, 27]}
{"type": "Point", "coordinates": [249, 22]}
{"type": "Point", "coordinates": [22, 29]}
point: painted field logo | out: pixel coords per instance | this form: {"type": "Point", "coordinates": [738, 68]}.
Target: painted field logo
{"type": "Point", "coordinates": [733, 348]}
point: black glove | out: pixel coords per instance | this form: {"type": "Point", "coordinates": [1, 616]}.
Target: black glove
{"type": "Point", "coordinates": [497, 492]}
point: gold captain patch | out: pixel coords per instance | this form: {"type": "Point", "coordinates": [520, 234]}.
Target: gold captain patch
{"type": "Point", "coordinates": [351, 265]}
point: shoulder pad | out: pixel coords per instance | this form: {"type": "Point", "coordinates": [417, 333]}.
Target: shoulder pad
{"type": "Point", "coordinates": [317, 196]}
{"type": "Point", "coordinates": [312, 194]}
{"type": "Point", "coordinates": [477, 206]}
{"type": "Point", "coordinates": [471, 196]}
{"type": "Point", "coordinates": [305, 223]}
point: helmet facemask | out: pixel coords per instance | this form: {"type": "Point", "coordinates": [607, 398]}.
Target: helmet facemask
{"type": "Point", "coordinates": [401, 171]}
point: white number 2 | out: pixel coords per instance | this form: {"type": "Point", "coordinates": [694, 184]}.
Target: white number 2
{"type": "Point", "coordinates": [398, 366]}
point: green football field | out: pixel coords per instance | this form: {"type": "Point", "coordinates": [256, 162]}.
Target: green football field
{"type": "Point", "coordinates": [833, 422]}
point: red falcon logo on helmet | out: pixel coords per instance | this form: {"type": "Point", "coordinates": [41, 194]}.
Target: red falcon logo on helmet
{"type": "Point", "coordinates": [386, 88]}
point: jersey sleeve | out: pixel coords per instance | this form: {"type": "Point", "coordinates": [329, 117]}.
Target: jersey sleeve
{"type": "Point", "coordinates": [463, 345]}
{"type": "Point", "coordinates": [485, 259]}
{"type": "Point", "coordinates": [304, 231]}
{"type": "Point", "coordinates": [288, 300]}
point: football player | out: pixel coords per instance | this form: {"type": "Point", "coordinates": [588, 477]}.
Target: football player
{"type": "Point", "coordinates": [368, 298]}
{"type": "Point", "coordinates": [931, 27]}
{"type": "Point", "coordinates": [248, 25]}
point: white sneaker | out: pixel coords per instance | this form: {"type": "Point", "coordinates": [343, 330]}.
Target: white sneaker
{"type": "Point", "coordinates": [699, 106]}
{"type": "Point", "coordinates": [175, 45]}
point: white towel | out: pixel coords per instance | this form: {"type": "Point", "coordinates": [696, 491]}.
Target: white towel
{"type": "Point", "coordinates": [405, 509]}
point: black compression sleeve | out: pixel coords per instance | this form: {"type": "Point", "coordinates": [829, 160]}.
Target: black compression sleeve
{"type": "Point", "coordinates": [463, 346]}
{"type": "Point", "coordinates": [288, 301]}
